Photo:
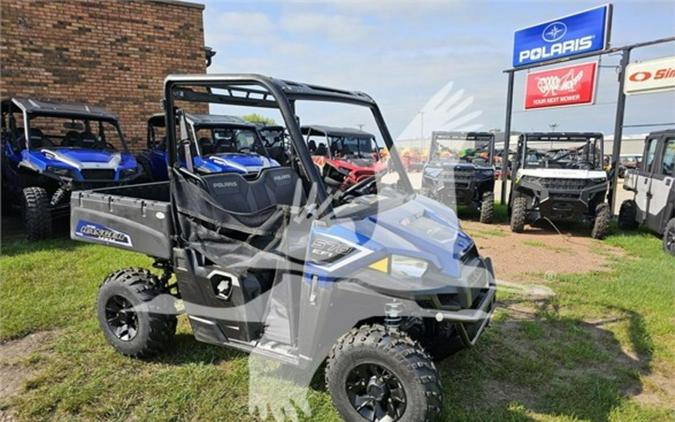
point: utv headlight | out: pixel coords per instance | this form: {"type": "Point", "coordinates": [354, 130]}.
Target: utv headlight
{"type": "Point", "coordinates": [60, 171]}
{"type": "Point", "coordinates": [405, 266]}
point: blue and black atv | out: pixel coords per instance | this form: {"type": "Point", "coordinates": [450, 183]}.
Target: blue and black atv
{"type": "Point", "coordinates": [376, 281]}
{"type": "Point", "coordinates": [51, 149]}
{"type": "Point", "coordinates": [218, 144]}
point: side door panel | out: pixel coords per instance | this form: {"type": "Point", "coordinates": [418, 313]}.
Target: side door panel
{"type": "Point", "coordinates": [661, 184]}
{"type": "Point", "coordinates": [643, 182]}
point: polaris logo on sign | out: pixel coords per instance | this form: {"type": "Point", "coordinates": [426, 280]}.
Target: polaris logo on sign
{"type": "Point", "coordinates": [569, 36]}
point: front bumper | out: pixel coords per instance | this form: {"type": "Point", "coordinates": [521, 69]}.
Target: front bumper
{"type": "Point", "coordinates": [470, 323]}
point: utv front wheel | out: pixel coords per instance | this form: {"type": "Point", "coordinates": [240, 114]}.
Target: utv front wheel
{"type": "Point", "coordinates": [36, 213]}
{"type": "Point", "coordinates": [487, 208]}
{"type": "Point", "coordinates": [669, 237]}
{"type": "Point", "coordinates": [518, 214]}
{"type": "Point", "coordinates": [378, 374]}
{"type": "Point", "coordinates": [135, 320]}
{"type": "Point", "coordinates": [628, 215]}
{"type": "Point", "coordinates": [601, 222]}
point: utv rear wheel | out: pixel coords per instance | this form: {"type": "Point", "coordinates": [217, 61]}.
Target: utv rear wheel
{"type": "Point", "coordinates": [518, 214]}
{"type": "Point", "coordinates": [669, 237]}
{"type": "Point", "coordinates": [133, 317]}
{"type": "Point", "coordinates": [378, 374]}
{"type": "Point", "coordinates": [487, 208]}
{"type": "Point", "coordinates": [36, 213]}
{"type": "Point", "coordinates": [601, 222]}
{"type": "Point", "coordinates": [628, 215]}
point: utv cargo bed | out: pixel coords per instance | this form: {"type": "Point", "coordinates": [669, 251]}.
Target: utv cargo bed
{"type": "Point", "coordinates": [134, 217]}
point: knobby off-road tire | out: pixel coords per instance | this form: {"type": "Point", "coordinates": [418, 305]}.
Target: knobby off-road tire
{"type": "Point", "coordinates": [134, 321]}
{"type": "Point", "coordinates": [628, 215]}
{"type": "Point", "coordinates": [397, 374]}
{"type": "Point", "coordinates": [518, 214]}
{"type": "Point", "coordinates": [36, 213]}
{"type": "Point", "coordinates": [601, 222]}
{"type": "Point", "coordinates": [487, 208]}
{"type": "Point", "coordinates": [669, 237]}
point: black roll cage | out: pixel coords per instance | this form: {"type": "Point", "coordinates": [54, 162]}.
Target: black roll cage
{"type": "Point", "coordinates": [277, 94]}
{"type": "Point", "coordinates": [523, 139]}
{"type": "Point", "coordinates": [9, 107]}
{"type": "Point", "coordinates": [339, 133]}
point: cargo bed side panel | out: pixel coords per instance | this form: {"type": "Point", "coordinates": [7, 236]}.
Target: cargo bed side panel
{"type": "Point", "coordinates": [140, 225]}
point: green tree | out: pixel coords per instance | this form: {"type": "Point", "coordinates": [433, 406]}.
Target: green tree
{"type": "Point", "coordinates": [259, 119]}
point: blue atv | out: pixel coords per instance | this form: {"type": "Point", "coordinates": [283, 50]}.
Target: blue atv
{"type": "Point", "coordinates": [375, 281]}
{"type": "Point", "coordinates": [51, 149]}
{"type": "Point", "coordinates": [218, 144]}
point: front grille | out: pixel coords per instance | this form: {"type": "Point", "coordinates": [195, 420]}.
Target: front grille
{"type": "Point", "coordinates": [564, 184]}
{"type": "Point", "coordinates": [98, 174]}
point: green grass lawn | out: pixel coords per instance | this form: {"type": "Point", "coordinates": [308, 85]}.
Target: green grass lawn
{"type": "Point", "coordinates": [601, 348]}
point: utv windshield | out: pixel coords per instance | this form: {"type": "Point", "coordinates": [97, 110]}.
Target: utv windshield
{"type": "Point", "coordinates": [60, 132]}
{"type": "Point", "coordinates": [352, 147]}
{"type": "Point", "coordinates": [220, 140]}
{"type": "Point", "coordinates": [580, 155]}
{"type": "Point", "coordinates": [461, 150]}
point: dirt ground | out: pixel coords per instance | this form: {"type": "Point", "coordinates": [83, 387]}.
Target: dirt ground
{"type": "Point", "coordinates": [545, 251]}
{"type": "Point", "coordinates": [13, 370]}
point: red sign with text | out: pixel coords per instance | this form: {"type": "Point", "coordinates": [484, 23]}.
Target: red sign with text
{"type": "Point", "coordinates": [563, 86]}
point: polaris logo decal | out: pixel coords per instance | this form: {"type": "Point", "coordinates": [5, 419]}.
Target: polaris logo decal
{"type": "Point", "coordinates": [223, 185]}
{"type": "Point", "coordinates": [102, 233]}
{"type": "Point", "coordinates": [572, 35]}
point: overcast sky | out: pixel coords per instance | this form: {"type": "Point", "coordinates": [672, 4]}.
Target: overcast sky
{"type": "Point", "coordinates": [402, 53]}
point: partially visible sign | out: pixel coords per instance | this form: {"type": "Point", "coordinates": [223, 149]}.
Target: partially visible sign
{"type": "Point", "coordinates": [650, 76]}
{"type": "Point", "coordinates": [562, 86]}
{"type": "Point", "coordinates": [580, 33]}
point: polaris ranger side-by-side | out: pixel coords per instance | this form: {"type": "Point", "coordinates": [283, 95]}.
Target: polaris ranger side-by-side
{"type": "Point", "coordinates": [345, 156]}
{"type": "Point", "coordinates": [217, 144]}
{"type": "Point", "coordinates": [51, 149]}
{"type": "Point", "coordinates": [376, 280]}
{"type": "Point", "coordinates": [559, 176]}
{"type": "Point", "coordinates": [460, 171]}
{"type": "Point", "coordinates": [653, 184]}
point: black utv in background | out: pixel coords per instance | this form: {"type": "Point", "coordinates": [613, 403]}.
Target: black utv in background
{"type": "Point", "coordinates": [558, 176]}
{"type": "Point", "coordinates": [653, 184]}
{"type": "Point", "coordinates": [460, 171]}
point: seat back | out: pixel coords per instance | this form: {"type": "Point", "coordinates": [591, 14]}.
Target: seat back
{"type": "Point", "coordinates": [274, 186]}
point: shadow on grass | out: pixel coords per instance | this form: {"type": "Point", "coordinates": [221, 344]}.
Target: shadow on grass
{"type": "Point", "coordinates": [540, 362]}
{"type": "Point", "coordinates": [187, 350]}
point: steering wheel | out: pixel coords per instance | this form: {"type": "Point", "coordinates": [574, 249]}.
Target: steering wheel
{"type": "Point", "coordinates": [365, 186]}
{"type": "Point", "coordinates": [109, 145]}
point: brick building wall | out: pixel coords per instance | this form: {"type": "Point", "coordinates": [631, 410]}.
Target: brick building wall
{"type": "Point", "coordinates": [114, 54]}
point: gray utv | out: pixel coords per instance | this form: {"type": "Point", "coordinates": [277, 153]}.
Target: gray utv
{"type": "Point", "coordinates": [375, 281]}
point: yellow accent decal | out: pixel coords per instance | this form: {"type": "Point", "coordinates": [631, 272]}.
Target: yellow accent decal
{"type": "Point", "coordinates": [381, 265]}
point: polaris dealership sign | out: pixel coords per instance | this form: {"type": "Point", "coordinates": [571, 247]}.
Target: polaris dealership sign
{"type": "Point", "coordinates": [572, 35]}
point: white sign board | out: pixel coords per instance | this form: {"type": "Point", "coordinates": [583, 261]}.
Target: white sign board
{"type": "Point", "coordinates": [650, 76]}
